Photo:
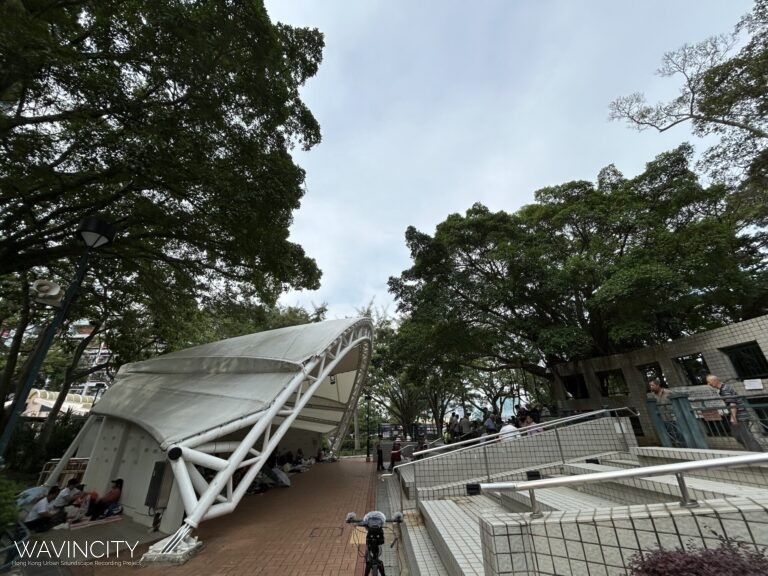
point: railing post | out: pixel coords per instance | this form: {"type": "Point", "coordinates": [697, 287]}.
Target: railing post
{"type": "Point", "coordinates": [535, 509]}
{"type": "Point", "coordinates": [661, 429]}
{"type": "Point", "coordinates": [560, 449]}
{"type": "Point", "coordinates": [687, 501]}
{"type": "Point", "coordinates": [487, 467]}
{"type": "Point", "coordinates": [689, 425]}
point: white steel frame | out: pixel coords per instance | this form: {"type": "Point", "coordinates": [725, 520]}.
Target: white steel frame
{"type": "Point", "coordinates": [203, 500]}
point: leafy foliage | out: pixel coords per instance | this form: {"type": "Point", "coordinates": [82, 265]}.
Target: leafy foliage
{"type": "Point", "coordinates": [8, 492]}
{"type": "Point", "coordinates": [729, 559]}
{"type": "Point", "coordinates": [173, 119]}
{"type": "Point", "coordinates": [589, 269]}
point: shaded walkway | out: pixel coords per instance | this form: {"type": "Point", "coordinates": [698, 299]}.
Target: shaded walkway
{"type": "Point", "coordinates": [283, 532]}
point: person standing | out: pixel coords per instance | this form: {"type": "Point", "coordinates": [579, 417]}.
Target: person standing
{"type": "Point", "coordinates": [490, 424]}
{"type": "Point", "coordinates": [508, 431]}
{"type": "Point", "coordinates": [395, 456]}
{"type": "Point", "coordinates": [739, 414]}
{"type": "Point", "coordinates": [379, 456]}
{"type": "Point", "coordinates": [661, 395]}
{"type": "Point", "coordinates": [465, 426]}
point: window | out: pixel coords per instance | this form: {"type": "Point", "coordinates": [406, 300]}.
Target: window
{"type": "Point", "coordinates": [651, 371]}
{"type": "Point", "coordinates": [695, 368]}
{"type": "Point", "coordinates": [612, 383]}
{"type": "Point", "coordinates": [748, 360]}
{"type": "Point", "coordinates": [575, 386]}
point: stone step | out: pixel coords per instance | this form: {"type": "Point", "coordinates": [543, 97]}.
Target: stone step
{"type": "Point", "coordinates": [423, 558]}
{"type": "Point", "coordinates": [652, 489]}
{"type": "Point", "coordinates": [558, 498]}
{"type": "Point", "coordinates": [455, 535]}
{"type": "Point", "coordinates": [754, 475]}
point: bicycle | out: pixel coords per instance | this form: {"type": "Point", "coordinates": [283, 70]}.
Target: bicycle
{"type": "Point", "coordinates": [374, 522]}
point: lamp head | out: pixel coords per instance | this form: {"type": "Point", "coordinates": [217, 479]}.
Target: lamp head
{"type": "Point", "coordinates": [95, 232]}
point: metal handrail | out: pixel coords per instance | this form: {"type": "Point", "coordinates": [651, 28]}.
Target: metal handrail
{"type": "Point", "coordinates": [677, 469]}
{"type": "Point", "coordinates": [543, 425]}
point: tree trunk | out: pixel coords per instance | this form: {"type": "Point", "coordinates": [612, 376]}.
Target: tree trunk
{"type": "Point", "coordinates": [70, 376]}
{"type": "Point", "coordinates": [13, 352]}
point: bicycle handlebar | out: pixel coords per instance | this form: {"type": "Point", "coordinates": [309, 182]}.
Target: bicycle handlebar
{"type": "Point", "coordinates": [352, 519]}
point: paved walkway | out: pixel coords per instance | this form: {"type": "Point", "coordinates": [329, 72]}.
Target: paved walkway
{"type": "Point", "coordinates": [284, 532]}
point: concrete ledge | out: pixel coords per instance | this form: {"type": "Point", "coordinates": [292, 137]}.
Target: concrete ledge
{"type": "Point", "coordinates": [756, 475]}
{"type": "Point", "coordinates": [664, 486]}
{"type": "Point", "coordinates": [604, 541]}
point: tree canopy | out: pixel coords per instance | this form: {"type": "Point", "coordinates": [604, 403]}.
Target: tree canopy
{"type": "Point", "coordinates": [588, 269]}
{"type": "Point", "coordinates": [174, 120]}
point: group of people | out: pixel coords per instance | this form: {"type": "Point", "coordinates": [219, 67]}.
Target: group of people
{"type": "Point", "coordinates": [71, 504]}
{"type": "Point", "coordinates": [738, 416]}
{"type": "Point", "coordinates": [462, 428]}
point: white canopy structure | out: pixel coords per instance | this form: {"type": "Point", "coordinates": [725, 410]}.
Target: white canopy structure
{"type": "Point", "coordinates": [225, 406]}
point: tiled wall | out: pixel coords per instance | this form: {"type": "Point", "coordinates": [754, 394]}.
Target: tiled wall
{"type": "Point", "coordinates": [602, 542]}
{"type": "Point", "coordinates": [493, 459]}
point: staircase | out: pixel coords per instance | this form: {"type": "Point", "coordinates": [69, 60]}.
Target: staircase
{"type": "Point", "coordinates": [593, 528]}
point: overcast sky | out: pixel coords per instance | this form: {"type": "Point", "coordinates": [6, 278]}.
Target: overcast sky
{"type": "Point", "coordinates": [428, 107]}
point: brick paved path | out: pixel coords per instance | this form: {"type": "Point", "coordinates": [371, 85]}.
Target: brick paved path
{"type": "Point", "coordinates": [284, 532]}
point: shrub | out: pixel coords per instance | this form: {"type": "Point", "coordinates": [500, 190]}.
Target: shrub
{"type": "Point", "coordinates": [729, 559]}
{"type": "Point", "coordinates": [8, 492]}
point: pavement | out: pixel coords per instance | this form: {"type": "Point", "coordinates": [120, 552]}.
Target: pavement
{"type": "Point", "coordinates": [283, 532]}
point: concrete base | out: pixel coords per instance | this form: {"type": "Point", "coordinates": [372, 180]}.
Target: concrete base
{"type": "Point", "coordinates": [184, 551]}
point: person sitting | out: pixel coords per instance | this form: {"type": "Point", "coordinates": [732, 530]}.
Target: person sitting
{"type": "Point", "coordinates": [40, 517]}
{"type": "Point", "coordinates": [101, 506]}
{"type": "Point", "coordinates": [67, 494]}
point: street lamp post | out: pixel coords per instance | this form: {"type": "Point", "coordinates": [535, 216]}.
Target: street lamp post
{"type": "Point", "coordinates": [94, 233]}
{"type": "Point", "coordinates": [368, 428]}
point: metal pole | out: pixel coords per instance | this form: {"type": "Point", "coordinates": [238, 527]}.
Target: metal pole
{"type": "Point", "coordinates": [559, 446]}
{"type": "Point", "coordinates": [487, 467]}
{"type": "Point", "coordinates": [41, 351]}
{"type": "Point", "coordinates": [535, 510]}
{"type": "Point", "coordinates": [687, 501]}
{"type": "Point", "coordinates": [368, 429]}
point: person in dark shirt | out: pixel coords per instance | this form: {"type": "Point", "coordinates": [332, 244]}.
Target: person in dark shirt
{"type": "Point", "coordinates": [739, 414]}
{"type": "Point", "coordinates": [379, 455]}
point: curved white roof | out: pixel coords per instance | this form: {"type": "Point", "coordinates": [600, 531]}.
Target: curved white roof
{"type": "Point", "coordinates": [185, 393]}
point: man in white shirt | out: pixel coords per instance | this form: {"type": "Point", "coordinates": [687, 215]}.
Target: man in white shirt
{"type": "Point", "coordinates": [39, 519]}
{"type": "Point", "coordinates": [68, 494]}
{"type": "Point", "coordinates": [508, 431]}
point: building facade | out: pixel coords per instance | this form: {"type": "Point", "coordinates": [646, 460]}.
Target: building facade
{"type": "Point", "coordinates": [735, 353]}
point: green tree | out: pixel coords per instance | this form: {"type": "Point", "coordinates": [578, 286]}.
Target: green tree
{"type": "Point", "coordinates": [388, 381]}
{"type": "Point", "coordinates": [174, 120]}
{"type": "Point", "coordinates": [589, 269]}
{"type": "Point", "coordinates": [723, 93]}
